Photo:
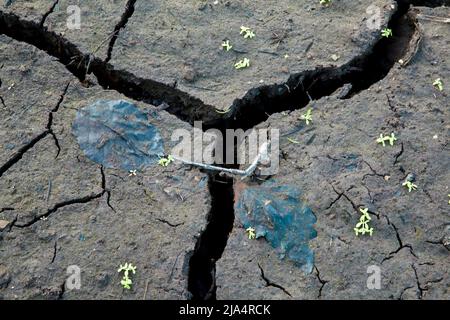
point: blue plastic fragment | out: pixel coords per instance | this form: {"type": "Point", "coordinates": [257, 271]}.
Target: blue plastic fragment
{"type": "Point", "coordinates": [117, 134]}
{"type": "Point", "coordinates": [277, 214]}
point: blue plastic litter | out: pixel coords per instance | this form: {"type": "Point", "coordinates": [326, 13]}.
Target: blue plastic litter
{"type": "Point", "coordinates": [277, 214]}
{"type": "Point", "coordinates": [117, 134]}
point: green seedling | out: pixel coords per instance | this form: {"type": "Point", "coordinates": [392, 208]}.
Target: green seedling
{"type": "Point", "coordinates": [382, 139]}
{"type": "Point", "coordinates": [386, 32]}
{"type": "Point", "coordinates": [126, 282]}
{"type": "Point", "coordinates": [164, 162]}
{"type": "Point", "coordinates": [411, 186]}
{"type": "Point", "coordinates": [307, 116]}
{"type": "Point", "coordinates": [222, 111]}
{"type": "Point", "coordinates": [247, 32]}
{"type": "Point", "coordinates": [226, 45]}
{"type": "Point", "coordinates": [245, 63]}
{"type": "Point", "coordinates": [251, 233]}
{"type": "Point", "coordinates": [326, 3]}
{"type": "Point", "coordinates": [293, 141]}
{"type": "Point", "coordinates": [362, 227]}
{"type": "Point", "coordinates": [438, 84]}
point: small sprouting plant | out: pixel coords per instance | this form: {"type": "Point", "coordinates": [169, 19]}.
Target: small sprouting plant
{"type": "Point", "coordinates": [222, 111]}
{"type": "Point", "coordinates": [362, 227]}
{"type": "Point", "coordinates": [251, 233]}
{"type": "Point", "coordinates": [307, 116]}
{"type": "Point", "coordinates": [438, 84]}
{"type": "Point", "coordinates": [226, 45]}
{"type": "Point", "coordinates": [410, 185]}
{"type": "Point", "coordinates": [245, 63]}
{"type": "Point", "coordinates": [293, 141]}
{"type": "Point", "coordinates": [383, 139]}
{"type": "Point", "coordinates": [164, 162]}
{"type": "Point", "coordinates": [386, 32]}
{"type": "Point", "coordinates": [326, 3]}
{"type": "Point", "coordinates": [126, 281]}
{"type": "Point", "coordinates": [247, 32]}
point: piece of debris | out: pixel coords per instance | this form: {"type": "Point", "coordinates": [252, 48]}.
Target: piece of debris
{"type": "Point", "coordinates": [3, 224]}
{"type": "Point", "coordinates": [108, 137]}
{"type": "Point", "coordinates": [335, 57]}
{"type": "Point", "coordinates": [276, 213]}
{"type": "Point", "coordinates": [189, 73]}
{"type": "Point", "coordinates": [345, 91]}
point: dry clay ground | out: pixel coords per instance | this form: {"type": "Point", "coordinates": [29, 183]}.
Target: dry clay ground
{"type": "Point", "coordinates": [61, 209]}
{"type": "Point", "coordinates": [338, 165]}
{"type": "Point", "coordinates": [57, 208]}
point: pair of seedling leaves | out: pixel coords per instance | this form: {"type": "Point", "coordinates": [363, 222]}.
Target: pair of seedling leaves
{"type": "Point", "coordinates": [362, 227]}
{"type": "Point", "coordinates": [126, 281]}
{"type": "Point", "coordinates": [391, 139]}
{"type": "Point", "coordinates": [383, 139]}
{"type": "Point", "coordinates": [247, 33]}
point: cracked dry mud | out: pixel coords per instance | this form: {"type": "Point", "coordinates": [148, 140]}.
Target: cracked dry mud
{"type": "Point", "coordinates": [165, 35]}
{"type": "Point", "coordinates": [57, 208]}
{"type": "Point", "coordinates": [53, 15]}
{"type": "Point", "coordinates": [340, 168]}
{"type": "Point", "coordinates": [66, 210]}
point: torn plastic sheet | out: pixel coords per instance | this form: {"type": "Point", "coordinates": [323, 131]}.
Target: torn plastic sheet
{"type": "Point", "coordinates": [277, 213]}
{"type": "Point", "coordinates": [117, 134]}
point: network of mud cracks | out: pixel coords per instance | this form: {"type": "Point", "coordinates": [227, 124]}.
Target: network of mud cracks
{"type": "Point", "coordinates": [354, 101]}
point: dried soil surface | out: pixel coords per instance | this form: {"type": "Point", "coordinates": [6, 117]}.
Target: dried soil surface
{"type": "Point", "coordinates": [59, 209]}
{"type": "Point", "coordinates": [340, 168]}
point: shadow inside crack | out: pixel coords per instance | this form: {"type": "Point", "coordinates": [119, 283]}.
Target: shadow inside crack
{"type": "Point", "coordinates": [246, 112]}
{"type": "Point", "coordinates": [212, 242]}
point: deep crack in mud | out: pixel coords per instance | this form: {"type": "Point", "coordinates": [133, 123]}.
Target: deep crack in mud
{"type": "Point", "coordinates": [255, 107]}
{"type": "Point", "coordinates": [129, 10]}
{"type": "Point", "coordinates": [212, 242]}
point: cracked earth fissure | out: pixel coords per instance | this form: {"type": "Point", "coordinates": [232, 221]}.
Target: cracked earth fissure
{"type": "Point", "coordinates": [20, 153]}
{"type": "Point", "coordinates": [49, 12]}
{"type": "Point", "coordinates": [28, 146]}
{"type": "Point", "coordinates": [270, 283]}
{"type": "Point", "coordinates": [255, 107]}
{"type": "Point", "coordinates": [213, 240]}
{"type": "Point", "coordinates": [322, 282]}
{"type": "Point", "coordinates": [80, 64]}
{"type": "Point", "coordinates": [401, 245]}
{"type": "Point", "coordinates": [59, 205]}
{"type": "Point", "coordinates": [129, 10]}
